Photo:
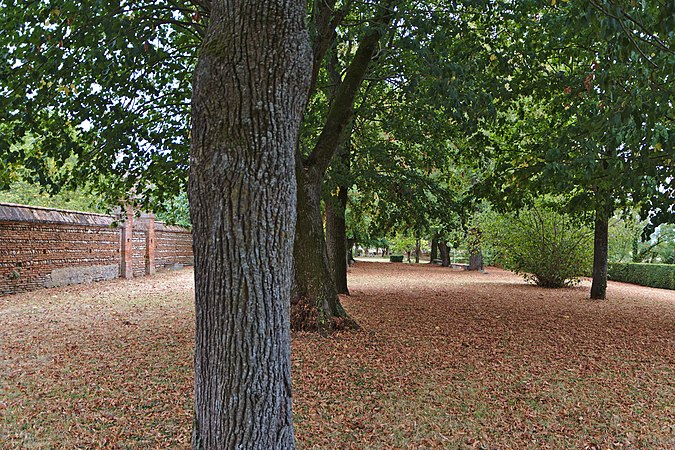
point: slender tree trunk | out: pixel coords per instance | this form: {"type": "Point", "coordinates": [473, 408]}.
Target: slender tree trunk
{"type": "Point", "coordinates": [336, 207]}
{"type": "Point", "coordinates": [600, 256]}
{"type": "Point", "coordinates": [417, 251]}
{"type": "Point", "coordinates": [336, 238]}
{"type": "Point", "coordinates": [249, 90]}
{"type": "Point", "coordinates": [445, 256]}
{"type": "Point", "coordinates": [434, 250]}
{"type": "Point", "coordinates": [635, 254]}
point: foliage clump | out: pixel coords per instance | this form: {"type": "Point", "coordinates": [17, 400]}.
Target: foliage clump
{"type": "Point", "coordinates": [548, 247]}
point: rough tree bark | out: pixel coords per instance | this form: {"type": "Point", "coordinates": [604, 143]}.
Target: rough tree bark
{"type": "Point", "coordinates": [434, 250]}
{"type": "Point", "coordinates": [335, 201]}
{"type": "Point", "coordinates": [336, 239]}
{"type": "Point", "coordinates": [315, 304]}
{"type": "Point", "coordinates": [249, 90]}
{"type": "Point", "coordinates": [600, 255]}
{"type": "Point", "coordinates": [417, 251]}
{"type": "Point", "coordinates": [445, 255]}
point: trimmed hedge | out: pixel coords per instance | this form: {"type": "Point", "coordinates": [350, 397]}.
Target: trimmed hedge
{"type": "Point", "coordinates": [396, 258]}
{"type": "Point", "coordinates": [653, 275]}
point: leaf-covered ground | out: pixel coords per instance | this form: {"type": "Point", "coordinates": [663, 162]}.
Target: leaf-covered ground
{"type": "Point", "coordinates": [445, 359]}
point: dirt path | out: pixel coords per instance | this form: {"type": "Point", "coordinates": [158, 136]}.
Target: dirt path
{"type": "Point", "coordinates": [445, 359]}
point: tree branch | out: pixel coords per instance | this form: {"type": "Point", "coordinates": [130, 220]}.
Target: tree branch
{"type": "Point", "coordinates": [342, 107]}
{"type": "Point", "coordinates": [325, 20]}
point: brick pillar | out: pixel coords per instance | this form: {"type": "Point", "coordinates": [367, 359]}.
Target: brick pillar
{"type": "Point", "coordinates": [126, 253]}
{"type": "Point", "coordinates": [150, 245]}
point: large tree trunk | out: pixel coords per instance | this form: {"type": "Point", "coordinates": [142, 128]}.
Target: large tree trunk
{"type": "Point", "coordinates": [336, 238]}
{"type": "Point", "coordinates": [249, 90]}
{"type": "Point", "coordinates": [445, 255]}
{"type": "Point", "coordinates": [434, 250]}
{"type": "Point", "coordinates": [600, 256]}
{"type": "Point", "coordinates": [315, 303]}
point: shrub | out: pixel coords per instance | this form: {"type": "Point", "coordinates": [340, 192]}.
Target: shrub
{"type": "Point", "coordinates": [396, 258]}
{"type": "Point", "coordinates": [653, 275]}
{"type": "Point", "coordinates": [547, 247]}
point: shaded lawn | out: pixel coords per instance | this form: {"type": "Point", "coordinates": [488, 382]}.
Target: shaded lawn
{"type": "Point", "coordinates": [445, 359]}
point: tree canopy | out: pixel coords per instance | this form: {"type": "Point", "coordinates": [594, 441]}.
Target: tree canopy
{"type": "Point", "coordinates": [106, 82]}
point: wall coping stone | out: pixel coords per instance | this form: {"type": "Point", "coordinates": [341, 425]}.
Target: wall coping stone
{"type": "Point", "coordinates": [10, 212]}
{"type": "Point", "coordinates": [161, 226]}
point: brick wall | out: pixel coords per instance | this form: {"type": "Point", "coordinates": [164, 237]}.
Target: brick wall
{"type": "Point", "coordinates": [173, 246]}
{"type": "Point", "coordinates": [42, 247]}
{"type": "Point", "coordinates": [138, 246]}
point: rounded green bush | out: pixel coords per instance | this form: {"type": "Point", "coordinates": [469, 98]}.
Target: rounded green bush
{"type": "Point", "coordinates": [548, 248]}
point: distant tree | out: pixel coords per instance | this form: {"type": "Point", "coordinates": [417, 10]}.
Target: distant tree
{"type": "Point", "coordinates": [660, 247]}
{"type": "Point", "coordinates": [24, 193]}
{"type": "Point", "coordinates": [592, 116]}
{"type": "Point", "coordinates": [420, 89]}
{"type": "Point", "coordinates": [624, 237]}
{"type": "Point", "coordinates": [176, 211]}
{"type": "Point", "coordinates": [25, 186]}
{"type": "Point", "coordinates": [315, 303]}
